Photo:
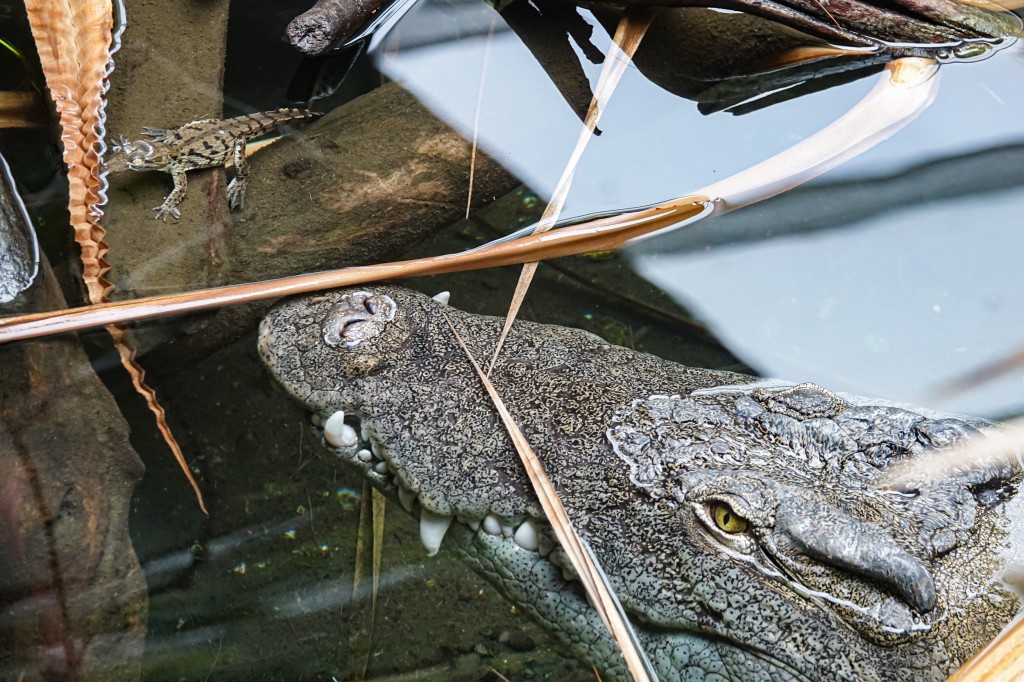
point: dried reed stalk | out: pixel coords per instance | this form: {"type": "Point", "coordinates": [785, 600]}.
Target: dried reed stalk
{"type": "Point", "coordinates": [630, 31]}
{"type": "Point", "coordinates": [593, 579]}
{"type": "Point", "coordinates": [74, 39]}
{"type": "Point", "coordinates": [605, 233]}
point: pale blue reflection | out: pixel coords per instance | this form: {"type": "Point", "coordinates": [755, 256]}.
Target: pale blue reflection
{"type": "Point", "coordinates": [886, 303]}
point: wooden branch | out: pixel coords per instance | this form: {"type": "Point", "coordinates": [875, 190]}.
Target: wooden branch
{"type": "Point", "coordinates": [22, 110]}
{"type": "Point", "coordinates": [69, 576]}
{"type": "Point", "coordinates": [330, 22]}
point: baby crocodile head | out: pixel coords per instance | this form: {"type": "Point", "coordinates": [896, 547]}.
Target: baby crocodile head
{"type": "Point", "coordinates": [752, 531]}
{"type": "Point", "coordinates": [139, 155]}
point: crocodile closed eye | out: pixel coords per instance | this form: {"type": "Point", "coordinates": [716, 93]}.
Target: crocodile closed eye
{"type": "Point", "coordinates": [727, 520]}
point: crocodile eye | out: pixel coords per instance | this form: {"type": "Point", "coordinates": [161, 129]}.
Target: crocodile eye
{"type": "Point", "coordinates": [726, 519]}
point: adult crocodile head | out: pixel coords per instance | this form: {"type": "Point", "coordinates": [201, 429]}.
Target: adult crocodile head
{"type": "Point", "coordinates": [750, 531]}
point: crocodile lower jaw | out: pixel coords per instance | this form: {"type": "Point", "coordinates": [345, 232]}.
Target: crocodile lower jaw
{"type": "Point", "coordinates": [522, 559]}
{"type": "Point", "coordinates": [346, 438]}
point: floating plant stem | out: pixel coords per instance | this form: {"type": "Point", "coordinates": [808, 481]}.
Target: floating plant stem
{"type": "Point", "coordinates": [630, 31]}
{"type": "Point", "coordinates": [904, 90]}
{"type": "Point", "coordinates": [597, 235]}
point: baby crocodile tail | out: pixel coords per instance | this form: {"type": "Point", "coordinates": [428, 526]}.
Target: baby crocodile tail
{"type": "Point", "coordinates": [262, 122]}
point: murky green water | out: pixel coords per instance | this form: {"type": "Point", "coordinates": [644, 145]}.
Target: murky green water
{"type": "Point", "coordinates": [887, 276]}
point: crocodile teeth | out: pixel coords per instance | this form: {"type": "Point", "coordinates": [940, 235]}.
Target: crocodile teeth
{"type": "Point", "coordinates": [526, 536]}
{"type": "Point", "coordinates": [442, 297]}
{"type": "Point", "coordinates": [365, 455]}
{"type": "Point", "coordinates": [544, 545]}
{"type": "Point", "coordinates": [381, 468]}
{"type": "Point", "coordinates": [492, 525]}
{"type": "Point", "coordinates": [406, 497]}
{"type": "Point", "coordinates": [432, 530]}
{"type": "Point", "coordinates": [338, 433]}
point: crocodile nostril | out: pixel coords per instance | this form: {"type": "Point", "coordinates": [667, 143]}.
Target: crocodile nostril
{"type": "Point", "coordinates": [344, 329]}
{"type": "Point", "coordinates": [356, 317]}
{"type": "Point", "coordinates": [349, 325]}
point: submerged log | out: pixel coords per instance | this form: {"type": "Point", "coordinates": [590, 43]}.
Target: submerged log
{"type": "Point", "coordinates": [72, 596]}
{"type": "Point", "coordinates": [337, 193]}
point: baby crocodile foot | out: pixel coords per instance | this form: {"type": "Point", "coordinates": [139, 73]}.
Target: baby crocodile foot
{"type": "Point", "coordinates": [163, 212]}
{"type": "Point", "coordinates": [236, 193]}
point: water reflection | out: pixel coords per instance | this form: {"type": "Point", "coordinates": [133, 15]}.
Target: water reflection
{"type": "Point", "coordinates": [916, 288]}
{"type": "Point", "coordinates": [884, 277]}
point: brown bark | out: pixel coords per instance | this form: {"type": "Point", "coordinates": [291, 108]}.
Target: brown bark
{"type": "Point", "coordinates": [72, 596]}
{"type": "Point", "coordinates": [330, 22]}
{"type": "Point", "coordinates": [360, 185]}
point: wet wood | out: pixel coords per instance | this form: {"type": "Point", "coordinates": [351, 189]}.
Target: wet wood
{"type": "Point", "coordinates": [359, 185]}
{"type": "Point", "coordinates": [163, 78]}
{"type": "Point", "coordinates": [329, 23]}
{"type": "Point", "coordinates": [72, 596]}
{"type": "Point", "coordinates": [721, 61]}
{"type": "Point", "coordinates": [898, 30]}
{"type": "Point", "coordinates": [338, 193]}
{"type": "Point", "coordinates": [22, 110]}
{"type": "Point", "coordinates": [19, 250]}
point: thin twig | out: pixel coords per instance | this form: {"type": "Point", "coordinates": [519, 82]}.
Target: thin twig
{"type": "Point", "coordinates": [476, 116]}
{"type": "Point", "coordinates": [593, 579]}
{"type": "Point", "coordinates": [631, 29]}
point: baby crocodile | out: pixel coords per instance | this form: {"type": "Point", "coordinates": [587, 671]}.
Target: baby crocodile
{"type": "Point", "coordinates": [752, 530]}
{"type": "Point", "coordinates": [200, 144]}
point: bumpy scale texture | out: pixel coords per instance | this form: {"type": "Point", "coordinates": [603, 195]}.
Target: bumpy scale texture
{"type": "Point", "coordinates": [751, 530]}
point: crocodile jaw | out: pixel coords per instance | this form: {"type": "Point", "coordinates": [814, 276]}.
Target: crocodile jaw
{"type": "Point", "coordinates": [521, 558]}
{"type": "Point", "coordinates": [405, 386]}
{"type": "Point", "coordinates": [484, 530]}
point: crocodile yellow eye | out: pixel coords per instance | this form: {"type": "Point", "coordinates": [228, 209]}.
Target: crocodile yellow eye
{"type": "Point", "coordinates": [727, 520]}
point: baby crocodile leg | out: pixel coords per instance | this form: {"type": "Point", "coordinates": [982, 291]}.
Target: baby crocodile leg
{"type": "Point", "coordinates": [236, 188]}
{"type": "Point", "coordinates": [170, 206]}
